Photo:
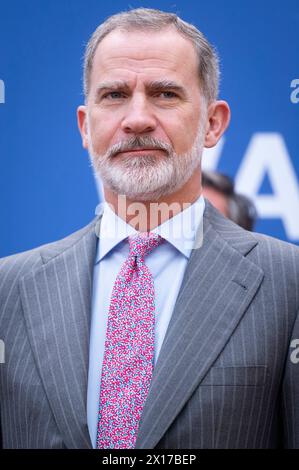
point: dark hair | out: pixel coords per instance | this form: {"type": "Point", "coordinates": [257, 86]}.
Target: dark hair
{"type": "Point", "coordinates": [218, 181]}
{"type": "Point", "coordinates": [242, 211]}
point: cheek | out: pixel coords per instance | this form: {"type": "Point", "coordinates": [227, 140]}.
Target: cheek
{"type": "Point", "coordinates": [102, 130]}
{"type": "Point", "coordinates": [182, 134]}
{"type": "Point", "coordinates": [182, 127]}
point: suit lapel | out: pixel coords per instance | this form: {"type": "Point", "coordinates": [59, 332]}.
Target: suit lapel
{"type": "Point", "coordinates": [56, 301]}
{"type": "Point", "coordinates": [218, 286]}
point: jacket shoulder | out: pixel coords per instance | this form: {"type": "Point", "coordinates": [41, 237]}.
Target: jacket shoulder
{"type": "Point", "coordinates": [271, 254]}
{"type": "Point", "coordinates": [15, 266]}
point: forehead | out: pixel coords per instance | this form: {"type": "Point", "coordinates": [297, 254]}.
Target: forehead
{"type": "Point", "coordinates": [148, 54]}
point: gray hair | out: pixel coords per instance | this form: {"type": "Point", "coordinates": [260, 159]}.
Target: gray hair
{"type": "Point", "coordinates": [155, 20]}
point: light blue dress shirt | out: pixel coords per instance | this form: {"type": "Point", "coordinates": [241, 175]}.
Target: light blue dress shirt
{"type": "Point", "coordinates": [167, 264]}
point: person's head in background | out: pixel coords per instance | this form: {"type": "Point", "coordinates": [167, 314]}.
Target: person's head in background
{"type": "Point", "coordinates": [219, 190]}
{"type": "Point", "coordinates": [242, 211]}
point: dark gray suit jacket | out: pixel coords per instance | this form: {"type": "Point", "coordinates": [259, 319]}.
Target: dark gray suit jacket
{"type": "Point", "coordinates": [227, 375]}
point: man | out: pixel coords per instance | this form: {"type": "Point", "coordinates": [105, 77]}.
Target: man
{"type": "Point", "coordinates": [173, 329]}
{"type": "Point", "coordinates": [219, 190]}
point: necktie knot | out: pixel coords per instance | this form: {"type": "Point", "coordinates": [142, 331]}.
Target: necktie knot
{"type": "Point", "coordinates": [142, 244]}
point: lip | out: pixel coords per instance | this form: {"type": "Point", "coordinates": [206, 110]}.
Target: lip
{"type": "Point", "coordinates": [141, 150]}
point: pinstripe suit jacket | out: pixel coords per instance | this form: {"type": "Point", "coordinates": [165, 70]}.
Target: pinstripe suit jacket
{"type": "Point", "coordinates": [225, 377]}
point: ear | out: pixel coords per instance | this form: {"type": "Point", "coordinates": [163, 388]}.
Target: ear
{"type": "Point", "coordinates": [82, 124]}
{"type": "Point", "coordinates": [217, 122]}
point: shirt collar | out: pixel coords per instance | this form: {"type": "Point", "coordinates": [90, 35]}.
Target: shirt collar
{"type": "Point", "coordinates": [180, 230]}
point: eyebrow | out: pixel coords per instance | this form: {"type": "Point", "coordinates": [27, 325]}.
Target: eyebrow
{"type": "Point", "coordinates": [158, 85]}
{"type": "Point", "coordinates": [117, 84]}
{"type": "Point", "coordinates": [153, 86]}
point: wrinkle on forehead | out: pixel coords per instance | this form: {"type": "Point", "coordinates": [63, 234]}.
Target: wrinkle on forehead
{"type": "Point", "coordinates": [159, 49]}
{"type": "Point", "coordinates": [139, 65]}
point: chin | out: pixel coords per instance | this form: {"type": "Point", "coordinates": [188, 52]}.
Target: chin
{"type": "Point", "coordinates": [146, 195]}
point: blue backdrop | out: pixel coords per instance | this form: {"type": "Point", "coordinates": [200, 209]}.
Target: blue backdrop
{"type": "Point", "coordinates": [47, 186]}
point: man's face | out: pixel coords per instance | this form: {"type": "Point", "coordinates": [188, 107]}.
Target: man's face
{"type": "Point", "coordinates": [145, 121]}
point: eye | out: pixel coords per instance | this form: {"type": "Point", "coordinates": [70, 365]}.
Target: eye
{"type": "Point", "coordinates": [168, 94]}
{"type": "Point", "coordinates": [113, 95]}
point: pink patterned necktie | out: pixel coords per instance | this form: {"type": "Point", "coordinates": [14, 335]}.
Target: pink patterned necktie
{"type": "Point", "coordinates": [129, 348]}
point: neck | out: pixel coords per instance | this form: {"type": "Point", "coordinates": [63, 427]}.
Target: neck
{"type": "Point", "coordinates": [146, 215]}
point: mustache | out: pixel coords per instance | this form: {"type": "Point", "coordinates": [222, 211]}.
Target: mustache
{"type": "Point", "coordinates": [144, 142]}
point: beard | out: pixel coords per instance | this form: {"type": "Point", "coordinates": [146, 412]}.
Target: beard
{"type": "Point", "coordinates": [146, 177]}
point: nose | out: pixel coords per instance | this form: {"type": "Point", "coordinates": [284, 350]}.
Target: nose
{"type": "Point", "coordinates": [139, 117]}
